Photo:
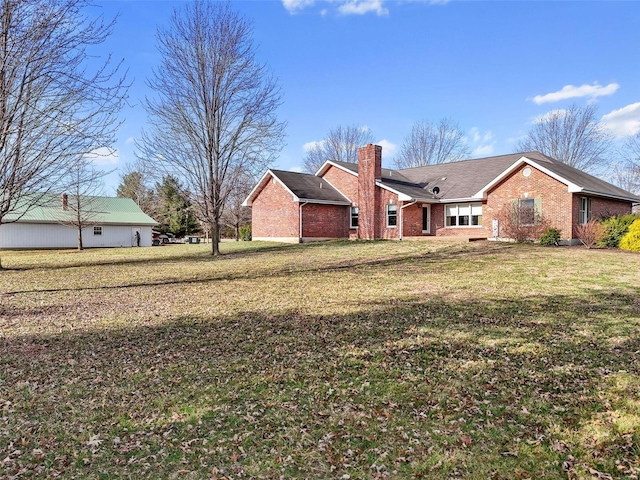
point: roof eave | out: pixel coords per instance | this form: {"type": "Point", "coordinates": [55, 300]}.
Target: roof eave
{"type": "Point", "coordinates": [323, 202]}
{"type": "Point", "coordinates": [328, 164]}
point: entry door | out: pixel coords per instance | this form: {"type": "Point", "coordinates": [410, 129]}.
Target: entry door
{"type": "Point", "coordinates": [426, 219]}
{"type": "Point", "coordinates": [134, 237]}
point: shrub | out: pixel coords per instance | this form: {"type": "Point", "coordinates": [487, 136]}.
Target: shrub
{"type": "Point", "coordinates": [615, 228]}
{"type": "Point", "coordinates": [631, 241]}
{"type": "Point", "coordinates": [520, 223]}
{"type": "Point", "coordinates": [245, 233]}
{"type": "Point", "coordinates": [550, 237]}
{"type": "Point", "coordinates": [590, 233]}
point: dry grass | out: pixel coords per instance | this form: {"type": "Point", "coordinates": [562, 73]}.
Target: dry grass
{"type": "Point", "coordinates": [367, 360]}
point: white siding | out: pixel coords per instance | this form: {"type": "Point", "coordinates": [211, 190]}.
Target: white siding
{"type": "Point", "coordinates": [41, 235]}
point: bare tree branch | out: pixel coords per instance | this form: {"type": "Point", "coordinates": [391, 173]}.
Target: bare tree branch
{"type": "Point", "coordinates": [341, 144]}
{"type": "Point", "coordinates": [83, 201]}
{"type": "Point", "coordinates": [572, 136]}
{"type": "Point", "coordinates": [214, 116]}
{"type": "Point", "coordinates": [53, 109]}
{"type": "Point", "coordinates": [429, 144]}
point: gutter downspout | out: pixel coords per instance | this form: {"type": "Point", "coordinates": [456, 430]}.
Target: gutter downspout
{"type": "Point", "coordinates": [300, 236]}
{"type": "Point", "coordinates": [402, 217]}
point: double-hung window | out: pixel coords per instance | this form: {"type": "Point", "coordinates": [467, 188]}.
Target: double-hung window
{"type": "Point", "coordinates": [392, 215]}
{"type": "Point", "coordinates": [97, 230]}
{"type": "Point", "coordinates": [354, 217]}
{"type": "Point", "coordinates": [526, 211]}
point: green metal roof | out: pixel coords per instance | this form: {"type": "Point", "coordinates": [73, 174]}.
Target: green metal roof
{"type": "Point", "coordinates": [101, 210]}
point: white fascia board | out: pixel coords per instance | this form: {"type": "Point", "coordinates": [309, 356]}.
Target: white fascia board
{"type": "Point", "coordinates": [322, 202]}
{"type": "Point", "coordinates": [483, 191]}
{"type": "Point", "coordinates": [607, 195]}
{"type": "Point", "coordinates": [462, 200]}
{"type": "Point", "coordinates": [328, 164]}
{"type": "Point", "coordinates": [338, 190]}
{"type": "Point", "coordinates": [247, 201]}
{"type": "Point", "coordinates": [261, 184]}
{"type": "Point", "coordinates": [572, 187]}
{"type": "Point", "coordinates": [402, 197]}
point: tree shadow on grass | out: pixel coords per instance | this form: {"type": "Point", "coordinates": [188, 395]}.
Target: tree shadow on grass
{"type": "Point", "coordinates": [402, 260]}
{"type": "Point", "coordinates": [536, 386]}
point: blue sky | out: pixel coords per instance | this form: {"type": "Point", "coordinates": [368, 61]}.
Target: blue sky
{"type": "Point", "coordinates": [494, 67]}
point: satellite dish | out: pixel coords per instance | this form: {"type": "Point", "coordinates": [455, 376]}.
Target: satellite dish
{"type": "Point", "coordinates": [436, 190]}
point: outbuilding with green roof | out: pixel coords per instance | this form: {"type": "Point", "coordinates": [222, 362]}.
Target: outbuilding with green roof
{"type": "Point", "coordinates": [111, 222]}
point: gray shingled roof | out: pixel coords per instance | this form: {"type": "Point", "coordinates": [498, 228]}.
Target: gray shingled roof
{"type": "Point", "coordinates": [309, 187]}
{"type": "Point", "coordinates": [589, 183]}
{"type": "Point", "coordinates": [464, 179]}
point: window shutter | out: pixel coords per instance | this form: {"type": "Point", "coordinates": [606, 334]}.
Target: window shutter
{"type": "Point", "coordinates": [537, 207]}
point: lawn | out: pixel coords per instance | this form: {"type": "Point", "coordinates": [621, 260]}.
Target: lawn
{"type": "Point", "coordinates": [330, 360]}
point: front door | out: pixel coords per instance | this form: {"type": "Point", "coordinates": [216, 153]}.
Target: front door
{"type": "Point", "coordinates": [426, 219]}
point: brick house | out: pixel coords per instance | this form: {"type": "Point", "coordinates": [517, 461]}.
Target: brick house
{"type": "Point", "coordinates": [366, 201]}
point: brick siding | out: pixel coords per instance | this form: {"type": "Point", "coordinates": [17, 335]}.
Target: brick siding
{"type": "Point", "coordinates": [274, 213]}
{"type": "Point", "coordinates": [325, 221]}
{"type": "Point", "coordinates": [556, 201]}
{"type": "Point", "coordinates": [347, 184]}
{"type": "Point", "coordinates": [369, 198]}
{"type": "Point", "coordinates": [600, 208]}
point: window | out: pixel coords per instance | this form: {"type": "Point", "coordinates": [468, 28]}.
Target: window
{"type": "Point", "coordinates": [463, 215]}
{"type": "Point", "coordinates": [426, 227]}
{"type": "Point", "coordinates": [526, 211]}
{"type": "Point", "coordinates": [354, 217]}
{"type": "Point", "coordinates": [585, 210]}
{"type": "Point", "coordinates": [97, 230]}
{"type": "Point", "coordinates": [392, 215]}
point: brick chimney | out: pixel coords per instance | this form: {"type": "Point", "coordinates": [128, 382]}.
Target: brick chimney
{"type": "Point", "coordinates": [369, 170]}
{"type": "Point", "coordinates": [65, 201]}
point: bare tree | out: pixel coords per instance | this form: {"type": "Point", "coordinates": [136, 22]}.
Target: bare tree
{"type": "Point", "coordinates": [341, 144]}
{"type": "Point", "coordinates": [214, 116]}
{"type": "Point", "coordinates": [429, 144]}
{"type": "Point", "coordinates": [631, 149]}
{"type": "Point", "coordinates": [235, 215]}
{"type": "Point", "coordinates": [52, 108]}
{"type": "Point", "coordinates": [572, 136]}
{"type": "Point", "coordinates": [83, 200]}
{"type": "Point", "coordinates": [626, 175]}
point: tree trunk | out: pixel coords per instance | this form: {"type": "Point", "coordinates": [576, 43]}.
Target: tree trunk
{"type": "Point", "coordinates": [80, 247]}
{"type": "Point", "coordinates": [237, 227]}
{"type": "Point", "coordinates": [215, 238]}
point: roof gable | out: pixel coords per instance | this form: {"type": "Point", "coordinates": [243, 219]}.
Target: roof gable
{"type": "Point", "coordinates": [303, 187]}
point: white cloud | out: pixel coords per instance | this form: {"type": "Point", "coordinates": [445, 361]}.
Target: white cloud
{"type": "Point", "coordinates": [129, 141]}
{"type": "Point", "coordinates": [103, 156]}
{"type": "Point", "coordinates": [350, 7]}
{"type": "Point", "coordinates": [571, 91]}
{"type": "Point", "coordinates": [294, 6]}
{"type": "Point", "coordinates": [312, 145]}
{"type": "Point", "coordinates": [361, 7]}
{"type": "Point", "coordinates": [560, 112]}
{"type": "Point", "coordinates": [624, 121]}
{"type": "Point", "coordinates": [483, 150]}
{"type": "Point", "coordinates": [296, 168]}
{"type": "Point", "coordinates": [478, 136]}
{"type": "Point", "coordinates": [483, 141]}
{"type": "Point", "coordinates": [388, 148]}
